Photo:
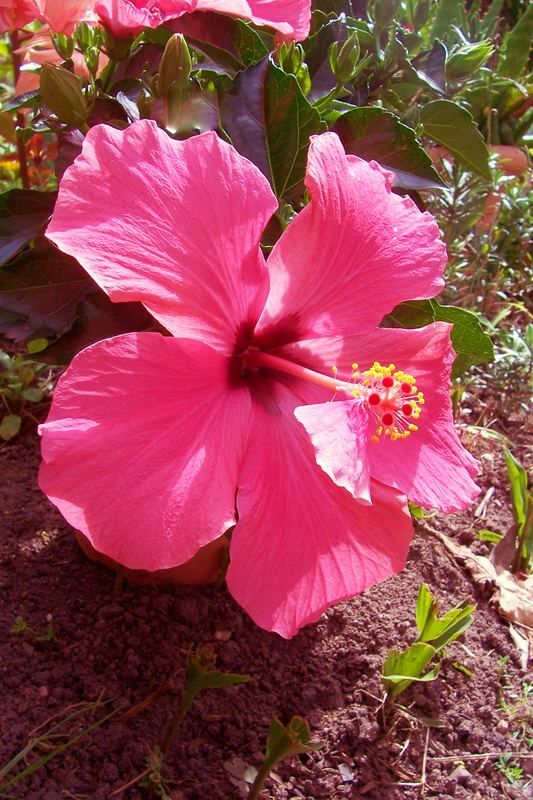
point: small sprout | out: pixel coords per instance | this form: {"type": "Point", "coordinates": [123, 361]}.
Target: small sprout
{"type": "Point", "coordinates": [201, 675]}
{"type": "Point", "coordinates": [20, 626]}
{"type": "Point", "coordinates": [522, 502]}
{"type": "Point", "coordinates": [282, 743]}
{"type": "Point", "coordinates": [403, 668]}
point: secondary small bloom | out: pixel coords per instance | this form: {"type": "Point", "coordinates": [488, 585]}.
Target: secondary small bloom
{"type": "Point", "coordinates": [130, 17]}
{"type": "Point", "coordinates": [16, 13]}
{"type": "Point", "coordinates": [63, 15]}
{"type": "Point", "coordinates": [156, 445]}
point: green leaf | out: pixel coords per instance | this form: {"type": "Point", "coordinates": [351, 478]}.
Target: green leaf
{"type": "Point", "coordinates": [516, 47]}
{"type": "Point", "coordinates": [229, 42]}
{"type": "Point", "coordinates": [10, 426]}
{"type": "Point", "coordinates": [448, 12]}
{"type": "Point", "coordinates": [373, 133]}
{"type": "Point", "coordinates": [471, 344]}
{"type": "Point", "coordinates": [467, 60]}
{"type": "Point", "coordinates": [453, 127]}
{"type": "Point", "coordinates": [402, 668]}
{"type": "Point", "coordinates": [270, 121]}
{"type": "Point", "coordinates": [518, 482]}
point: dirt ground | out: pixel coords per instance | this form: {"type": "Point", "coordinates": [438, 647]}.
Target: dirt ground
{"type": "Point", "coordinates": [86, 643]}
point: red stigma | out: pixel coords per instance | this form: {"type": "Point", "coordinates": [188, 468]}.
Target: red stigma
{"type": "Point", "coordinates": [374, 399]}
{"type": "Point", "coordinates": [387, 419]}
{"type": "Point", "coordinates": [407, 409]}
{"type": "Point", "coordinates": [387, 381]}
{"type": "Point", "coordinates": [406, 388]}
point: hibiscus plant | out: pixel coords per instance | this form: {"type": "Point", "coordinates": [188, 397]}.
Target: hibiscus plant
{"type": "Point", "coordinates": [240, 262]}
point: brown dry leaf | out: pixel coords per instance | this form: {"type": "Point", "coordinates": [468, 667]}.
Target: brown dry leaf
{"type": "Point", "coordinates": [512, 595]}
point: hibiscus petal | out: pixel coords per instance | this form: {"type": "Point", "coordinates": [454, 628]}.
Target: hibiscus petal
{"type": "Point", "coordinates": [173, 224]}
{"type": "Point", "coordinates": [292, 18]}
{"type": "Point", "coordinates": [353, 253]}
{"type": "Point", "coordinates": [130, 17]}
{"type": "Point", "coordinates": [339, 433]}
{"type": "Point", "coordinates": [302, 543]}
{"type": "Point", "coordinates": [142, 447]}
{"type": "Point", "coordinates": [431, 466]}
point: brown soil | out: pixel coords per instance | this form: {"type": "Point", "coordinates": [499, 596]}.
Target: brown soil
{"type": "Point", "coordinates": [122, 646]}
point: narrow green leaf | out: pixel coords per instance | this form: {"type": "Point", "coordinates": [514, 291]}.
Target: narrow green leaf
{"type": "Point", "coordinates": [10, 426]}
{"type": "Point", "coordinates": [447, 13]}
{"type": "Point", "coordinates": [424, 604]}
{"type": "Point", "coordinates": [373, 133]}
{"type": "Point", "coordinates": [453, 127]}
{"type": "Point", "coordinates": [516, 47]}
{"type": "Point", "coordinates": [471, 344]}
{"type": "Point", "coordinates": [490, 20]}
{"type": "Point", "coordinates": [490, 536]}
{"type": "Point", "coordinates": [518, 483]}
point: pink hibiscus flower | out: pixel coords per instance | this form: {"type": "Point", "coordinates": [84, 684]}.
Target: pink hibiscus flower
{"type": "Point", "coordinates": [157, 445]}
{"type": "Point", "coordinates": [129, 17]}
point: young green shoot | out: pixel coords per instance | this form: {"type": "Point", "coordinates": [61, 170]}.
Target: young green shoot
{"type": "Point", "coordinates": [421, 661]}
{"type": "Point", "coordinates": [283, 742]}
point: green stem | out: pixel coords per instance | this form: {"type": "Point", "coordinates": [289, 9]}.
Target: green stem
{"type": "Point", "coordinates": [519, 556]}
{"type": "Point", "coordinates": [176, 720]}
{"type": "Point", "coordinates": [260, 779]}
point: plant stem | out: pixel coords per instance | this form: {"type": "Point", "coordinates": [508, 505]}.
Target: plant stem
{"type": "Point", "coordinates": [259, 781]}
{"type": "Point", "coordinates": [519, 556]}
{"type": "Point", "coordinates": [21, 147]}
{"type": "Point", "coordinates": [176, 720]}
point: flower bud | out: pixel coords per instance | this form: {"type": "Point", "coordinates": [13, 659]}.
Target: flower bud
{"type": "Point", "coordinates": [175, 67]}
{"type": "Point", "coordinates": [467, 60]}
{"type": "Point", "coordinates": [343, 62]}
{"type": "Point", "coordinates": [61, 92]}
{"type": "Point", "coordinates": [63, 45]}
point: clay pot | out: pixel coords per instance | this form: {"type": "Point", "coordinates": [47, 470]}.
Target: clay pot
{"type": "Point", "coordinates": [201, 569]}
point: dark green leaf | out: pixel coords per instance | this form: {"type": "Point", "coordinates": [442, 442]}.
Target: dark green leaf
{"type": "Point", "coordinates": [270, 121]}
{"type": "Point", "coordinates": [430, 67]}
{"type": "Point", "coordinates": [23, 215]}
{"type": "Point", "coordinates": [452, 126]}
{"type": "Point", "coordinates": [43, 287]}
{"type": "Point", "coordinates": [373, 133]}
{"type": "Point", "coordinates": [229, 42]}
{"type": "Point", "coordinates": [471, 344]}
{"type": "Point", "coordinates": [288, 741]}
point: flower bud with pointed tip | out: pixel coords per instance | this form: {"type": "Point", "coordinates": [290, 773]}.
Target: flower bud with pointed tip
{"type": "Point", "coordinates": [343, 61]}
{"type": "Point", "coordinates": [175, 67]}
{"type": "Point", "coordinates": [61, 91]}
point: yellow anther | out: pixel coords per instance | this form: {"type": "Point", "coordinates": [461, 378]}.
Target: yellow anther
{"type": "Point", "coordinates": [355, 365]}
{"type": "Point", "coordinates": [374, 438]}
{"type": "Point", "coordinates": [334, 369]}
{"type": "Point", "coordinates": [413, 427]}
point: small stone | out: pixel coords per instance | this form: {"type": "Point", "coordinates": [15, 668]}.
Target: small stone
{"type": "Point", "coordinates": [502, 726]}
{"type": "Point", "coordinates": [460, 775]}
